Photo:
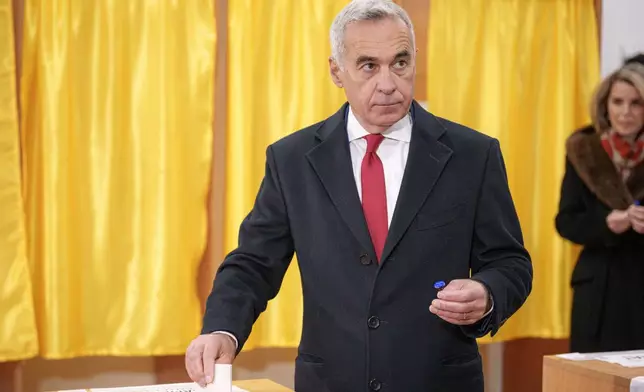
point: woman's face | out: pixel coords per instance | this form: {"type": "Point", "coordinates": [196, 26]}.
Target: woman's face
{"type": "Point", "coordinates": [625, 109]}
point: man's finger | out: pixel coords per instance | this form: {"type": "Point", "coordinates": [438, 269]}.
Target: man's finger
{"type": "Point", "coordinates": [188, 365]}
{"type": "Point", "coordinates": [457, 295]}
{"type": "Point", "coordinates": [196, 364]}
{"type": "Point", "coordinates": [456, 321]}
{"type": "Point", "coordinates": [209, 357]}
{"type": "Point", "coordinates": [193, 357]}
{"type": "Point", "coordinates": [473, 315]}
{"type": "Point", "coordinates": [455, 307]}
{"type": "Point", "coordinates": [454, 318]}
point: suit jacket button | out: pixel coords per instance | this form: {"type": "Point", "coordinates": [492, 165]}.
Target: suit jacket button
{"type": "Point", "coordinates": [373, 322]}
{"type": "Point", "coordinates": [375, 385]}
{"type": "Point", "coordinates": [365, 259]}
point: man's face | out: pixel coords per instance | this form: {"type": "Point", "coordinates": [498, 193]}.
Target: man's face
{"type": "Point", "coordinates": [378, 71]}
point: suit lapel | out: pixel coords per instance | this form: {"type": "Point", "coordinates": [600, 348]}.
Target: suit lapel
{"type": "Point", "coordinates": [426, 160]}
{"type": "Point", "coordinates": [331, 160]}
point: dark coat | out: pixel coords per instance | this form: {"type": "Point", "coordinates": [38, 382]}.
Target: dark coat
{"type": "Point", "coordinates": [366, 325]}
{"type": "Point", "coordinates": [608, 279]}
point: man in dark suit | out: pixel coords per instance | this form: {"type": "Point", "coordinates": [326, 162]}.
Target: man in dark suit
{"type": "Point", "coordinates": [379, 201]}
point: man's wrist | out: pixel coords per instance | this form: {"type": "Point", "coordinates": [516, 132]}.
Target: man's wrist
{"type": "Point", "coordinates": [490, 305]}
{"type": "Point", "coordinates": [229, 335]}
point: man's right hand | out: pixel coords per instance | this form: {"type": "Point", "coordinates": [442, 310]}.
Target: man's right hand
{"type": "Point", "coordinates": [618, 221]}
{"type": "Point", "coordinates": [204, 352]}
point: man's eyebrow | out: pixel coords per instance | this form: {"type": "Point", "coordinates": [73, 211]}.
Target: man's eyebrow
{"type": "Point", "coordinates": [370, 59]}
{"type": "Point", "coordinates": [365, 59]}
{"type": "Point", "coordinates": [402, 54]}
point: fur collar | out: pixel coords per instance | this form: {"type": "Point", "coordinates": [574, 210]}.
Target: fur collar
{"type": "Point", "coordinates": [596, 170]}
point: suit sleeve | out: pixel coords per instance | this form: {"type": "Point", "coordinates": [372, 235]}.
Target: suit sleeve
{"type": "Point", "coordinates": [252, 274]}
{"type": "Point", "coordinates": [499, 259]}
{"type": "Point", "coordinates": [579, 221]}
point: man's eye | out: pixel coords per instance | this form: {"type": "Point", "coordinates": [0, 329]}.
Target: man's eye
{"type": "Point", "coordinates": [400, 64]}
{"type": "Point", "coordinates": [369, 67]}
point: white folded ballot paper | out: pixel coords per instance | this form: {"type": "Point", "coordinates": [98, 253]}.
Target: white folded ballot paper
{"type": "Point", "coordinates": [223, 382]}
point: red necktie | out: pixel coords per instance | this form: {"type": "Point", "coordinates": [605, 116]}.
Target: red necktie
{"type": "Point", "coordinates": [374, 198]}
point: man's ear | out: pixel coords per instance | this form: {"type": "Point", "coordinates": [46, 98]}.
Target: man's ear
{"type": "Point", "coordinates": [334, 68]}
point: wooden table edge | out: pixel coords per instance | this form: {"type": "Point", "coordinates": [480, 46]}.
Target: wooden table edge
{"type": "Point", "coordinates": [262, 383]}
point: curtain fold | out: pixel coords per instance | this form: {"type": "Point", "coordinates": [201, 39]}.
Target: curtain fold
{"type": "Point", "coordinates": [117, 102]}
{"type": "Point", "coordinates": [18, 338]}
{"type": "Point", "coordinates": [522, 71]}
{"type": "Point", "coordinates": [278, 82]}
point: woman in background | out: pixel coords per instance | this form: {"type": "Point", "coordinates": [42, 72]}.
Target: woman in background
{"type": "Point", "coordinates": [598, 209]}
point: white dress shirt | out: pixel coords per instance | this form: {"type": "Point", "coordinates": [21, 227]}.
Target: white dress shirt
{"type": "Point", "coordinates": [393, 152]}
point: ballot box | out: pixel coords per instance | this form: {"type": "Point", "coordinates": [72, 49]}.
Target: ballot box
{"type": "Point", "coordinates": [237, 386]}
{"type": "Point", "coordinates": [223, 382]}
{"type": "Point", "coordinates": [594, 372]}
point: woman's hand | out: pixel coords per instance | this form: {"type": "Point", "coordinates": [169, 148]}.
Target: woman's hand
{"type": "Point", "coordinates": [636, 217]}
{"type": "Point", "coordinates": [619, 221]}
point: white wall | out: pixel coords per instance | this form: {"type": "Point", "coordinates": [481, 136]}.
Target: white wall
{"type": "Point", "coordinates": [622, 32]}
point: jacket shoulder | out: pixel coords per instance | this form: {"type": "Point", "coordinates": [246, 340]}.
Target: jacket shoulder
{"type": "Point", "coordinates": [299, 140]}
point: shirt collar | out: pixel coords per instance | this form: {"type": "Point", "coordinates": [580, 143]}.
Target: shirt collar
{"type": "Point", "coordinates": [400, 131]}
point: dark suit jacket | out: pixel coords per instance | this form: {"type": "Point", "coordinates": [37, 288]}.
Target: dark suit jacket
{"type": "Point", "coordinates": [366, 325]}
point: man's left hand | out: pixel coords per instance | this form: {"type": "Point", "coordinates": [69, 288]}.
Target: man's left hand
{"type": "Point", "coordinates": [462, 302]}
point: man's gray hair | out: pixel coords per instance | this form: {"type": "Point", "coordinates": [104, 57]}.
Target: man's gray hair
{"type": "Point", "coordinates": [359, 10]}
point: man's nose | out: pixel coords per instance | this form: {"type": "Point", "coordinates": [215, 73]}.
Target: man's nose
{"type": "Point", "coordinates": [386, 83]}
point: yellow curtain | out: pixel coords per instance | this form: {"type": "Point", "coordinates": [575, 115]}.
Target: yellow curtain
{"type": "Point", "coordinates": [18, 339]}
{"type": "Point", "coordinates": [522, 71]}
{"type": "Point", "coordinates": [278, 82]}
{"type": "Point", "coordinates": [117, 101]}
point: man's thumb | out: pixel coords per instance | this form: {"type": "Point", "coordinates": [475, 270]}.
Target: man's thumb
{"type": "Point", "coordinates": [455, 285]}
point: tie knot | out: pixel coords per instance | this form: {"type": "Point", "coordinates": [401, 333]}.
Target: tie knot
{"type": "Point", "coordinates": [373, 141]}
